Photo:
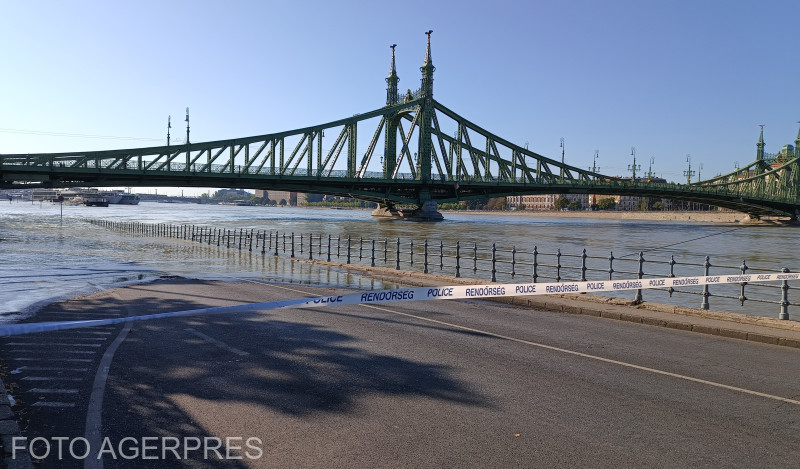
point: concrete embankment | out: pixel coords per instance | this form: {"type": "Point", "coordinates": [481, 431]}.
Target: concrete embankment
{"type": "Point", "coordinates": [738, 326]}
{"type": "Point", "coordinates": [687, 216]}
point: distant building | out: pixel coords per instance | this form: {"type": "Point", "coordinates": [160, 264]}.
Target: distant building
{"type": "Point", "coordinates": [543, 201]}
{"type": "Point", "coordinates": [291, 198]}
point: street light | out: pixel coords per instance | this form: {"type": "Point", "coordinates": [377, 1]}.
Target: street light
{"type": "Point", "coordinates": [562, 160]}
{"type": "Point", "coordinates": [633, 167]}
{"type": "Point", "coordinates": [689, 173]}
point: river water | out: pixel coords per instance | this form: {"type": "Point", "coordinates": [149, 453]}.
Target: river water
{"type": "Point", "coordinates": [49, 252]}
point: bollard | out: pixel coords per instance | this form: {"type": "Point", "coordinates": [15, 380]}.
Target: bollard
{"type": "Point", "coordinates": [535, 264]}
{"type": "Point", "coordinates": [784, 314]}
{"type": "Point", "coordinates": [638, 298]}
{"type": "Point", "coordinates": [458, 259]}
{"type": "Point", "coordinates": [743, 298]}
{"type": "Point", "coordinates": [706, 294]}
{"type": "Point", "coordinates": [425, 258]}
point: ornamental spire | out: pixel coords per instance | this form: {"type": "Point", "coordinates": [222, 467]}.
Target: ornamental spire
{"type": "Point", "coordinates": [427, 70]}
{"type": "Point", "coordinates": [760, 145]}
{"type": "Point", "coordinates": [391, 82]}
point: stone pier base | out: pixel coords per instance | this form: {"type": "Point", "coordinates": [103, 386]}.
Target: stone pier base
{"type": "Point", "coordinates": [427, 212]}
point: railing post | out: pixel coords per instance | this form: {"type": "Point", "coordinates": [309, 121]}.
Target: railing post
{"type": "Point", "coordinates": [310, 246]}
{"type": "Point", "coordinates": [425, 258]}
{"type": "Point", "coordinates": [411, 252]}
{"type": "Point", "coordinates": [329, 248]}
{"type": "Point", "coordinates": [360, 247]}
{"type": "Point", "coordinates": [743, 298]}
{"type": "Point", "coordinates": [276, 242]}
{"type": "Point", "coordinates": [535, 264]}
{"type": "Point", "coordinates": [706, 294]}
{"type": "Point", "coordinates": [264, 241]}
{"type": "Point", "coordinates": [441, 255]}
{"type": "Point", "coordinates": [301, 244]}
{"type": "Point", "coordinates": [458, 259]}
{"type": "Point", "coordinates": [474, 257]}
{"type": "Point", "coordinates": [784, 314]}
{"type": "Point", "coordinates": [494, 262]}
{"type": "Point", "coordinates": [583, 266]}
{"type": "Point", "coordinates": [348, 249]}
{"type": "Point", "coordinates": [385, 249]}
{"type": "Point", "coordinates": [513, 261]}
{"type": "Point", "coordinates": [250, 248]}
{"type": "Point", "coordinates": [397, 256]}
{"type": "Point", "coordinates": [610, 264]}
{"type": "Point", "coordinates": [240, 239]}
{"type": "Point", "coordinates": [671, 272]}
{"type": "Point", "coordinates": [372, 263]}
{"type": "Point", "coordinates": [338, 246]}
{"type": "Point", "coordinates": [640, 274]}
{"type": "Point", "coordinates": [292, 254]}
{"type": "Point", "coordinates": [558, 265]}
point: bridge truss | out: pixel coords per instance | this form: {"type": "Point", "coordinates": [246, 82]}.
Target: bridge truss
{"type": "Point", "coordinates": [419, 150]}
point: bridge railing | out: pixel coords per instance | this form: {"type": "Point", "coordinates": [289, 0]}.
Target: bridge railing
{"type": "Point", "coordinates": [486, 262]}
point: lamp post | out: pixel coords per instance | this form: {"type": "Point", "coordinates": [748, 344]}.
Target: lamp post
{"type": "Point", "coordinates": [689, 173]}
{"type": "Point", "coordinates": [632, 168]}
{"type": "Point", "coordinates": [561, 178]}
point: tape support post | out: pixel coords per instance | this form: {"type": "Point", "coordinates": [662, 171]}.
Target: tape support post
{"type": "Point", "coordinates": [452, 292]}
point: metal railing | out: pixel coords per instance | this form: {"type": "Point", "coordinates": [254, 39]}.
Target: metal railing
{"type": "Point", "coordinates": [469, 260]}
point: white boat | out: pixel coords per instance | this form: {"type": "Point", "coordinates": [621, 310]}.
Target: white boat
{"type": "Point", "coordinates": [128, 199]}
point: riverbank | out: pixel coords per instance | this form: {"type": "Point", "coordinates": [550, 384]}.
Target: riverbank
{"type": "Point", "coordinates": [688, 216]}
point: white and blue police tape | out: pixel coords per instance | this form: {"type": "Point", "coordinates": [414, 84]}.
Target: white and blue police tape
{"type": "Point", "coordinates": [453, 292]}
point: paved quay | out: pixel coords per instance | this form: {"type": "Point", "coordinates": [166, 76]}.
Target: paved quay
{"type": "Point", "coordinates": [466, 383]}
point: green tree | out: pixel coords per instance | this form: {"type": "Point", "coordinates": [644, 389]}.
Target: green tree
{"type": "Point", "coordinates": [561, 203]}
{"type": "Point", "coordinates": [575, 205]}
{"type": "Point", "coordinates": [607, 204]}
{"type": "Point", "coordinates": [658, 205]}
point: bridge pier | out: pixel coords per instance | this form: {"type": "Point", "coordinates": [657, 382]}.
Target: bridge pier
{"type": "Point", "coordinates": [426, 212]}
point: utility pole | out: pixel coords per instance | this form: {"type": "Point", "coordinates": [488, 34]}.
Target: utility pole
{"type": "Point", "coordinates": [632, 168]}
{"type": "Point", "coordinates": [689, 173]}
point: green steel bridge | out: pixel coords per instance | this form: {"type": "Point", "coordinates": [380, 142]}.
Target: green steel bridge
{"type": "Point", "coordinates": [419, 151]}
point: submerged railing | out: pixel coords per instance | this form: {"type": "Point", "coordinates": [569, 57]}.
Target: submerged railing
{"type": "Point", "coordinates": [469, 260]}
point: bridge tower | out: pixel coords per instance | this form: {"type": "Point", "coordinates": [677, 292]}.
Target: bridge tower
{"type": "Point", "coordinates": [426, 115]}
{"type": "Point", "coordinates": [797, 144]}
{"type": "Point", "coordinates": [392, 117]}
{"type": "Point", "coordinates": [760, 151]}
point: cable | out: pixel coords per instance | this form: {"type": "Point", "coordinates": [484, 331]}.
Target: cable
{"type": "Point", "coordinates": [684, 241]}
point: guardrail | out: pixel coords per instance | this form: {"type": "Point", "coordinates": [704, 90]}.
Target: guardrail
{"type": "Point", "coordinates": [471, 260]}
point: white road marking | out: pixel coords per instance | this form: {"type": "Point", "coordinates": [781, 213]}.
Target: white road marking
{"type": "Point", "coordinates": [49, 378]}
{"type": "Point", "coordinates": [53, 391]}
{"type": "Point", "coordinates": [218, 343]}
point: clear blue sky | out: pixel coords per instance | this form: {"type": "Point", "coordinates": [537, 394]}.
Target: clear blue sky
{"type": "Point", "coordinates": [671, 78]}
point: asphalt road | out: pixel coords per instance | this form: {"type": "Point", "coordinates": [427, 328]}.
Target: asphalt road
{"type": "Point", "coordinates": [444, 384]}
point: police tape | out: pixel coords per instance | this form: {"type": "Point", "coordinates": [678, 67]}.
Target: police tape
{"type": "Point", "coordinates": [452, 292]}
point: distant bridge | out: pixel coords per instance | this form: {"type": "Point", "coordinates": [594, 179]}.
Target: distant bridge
{"type": "Point", "coordinates": [429, 153]}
